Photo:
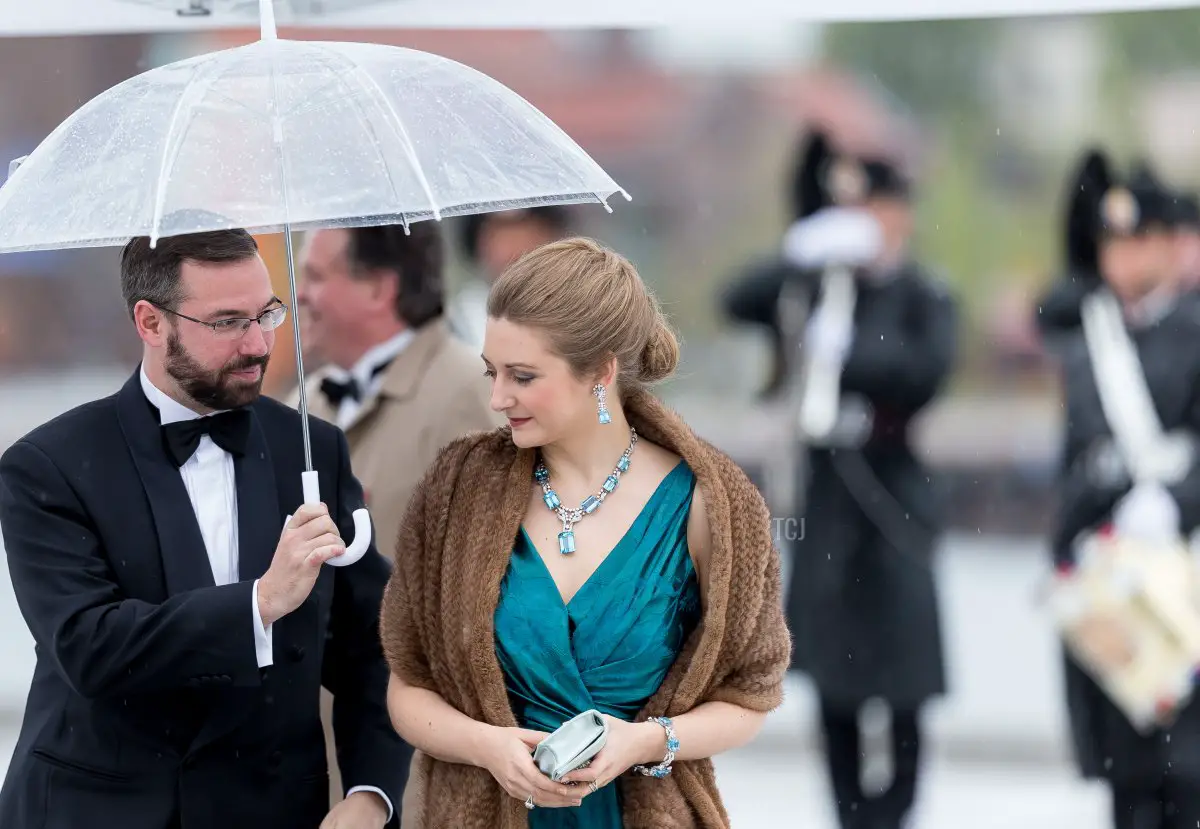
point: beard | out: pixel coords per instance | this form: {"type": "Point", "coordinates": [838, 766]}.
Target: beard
{"type": "Point", "coordinates": [214, 389]}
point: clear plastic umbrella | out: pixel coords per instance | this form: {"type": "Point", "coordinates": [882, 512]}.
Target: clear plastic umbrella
{"type": "Point", "coordinates": [291, 133]}
{"type": "Point", "coordinates": [287, 135]}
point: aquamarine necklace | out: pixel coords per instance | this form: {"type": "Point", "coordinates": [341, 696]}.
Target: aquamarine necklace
{"type": "Point", "coordinates": [569, 517]}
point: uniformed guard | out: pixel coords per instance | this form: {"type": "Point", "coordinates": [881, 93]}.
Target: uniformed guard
{"type": "Point", "coordinates": [1131, 386]}
{"type": "Point", "coordinates": [879, 344]}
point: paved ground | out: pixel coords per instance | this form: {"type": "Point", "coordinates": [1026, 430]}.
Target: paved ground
{"type": "Point", "coordinates": [1002, 659]}
{"type": "Point", "coordinates": [770, 789]}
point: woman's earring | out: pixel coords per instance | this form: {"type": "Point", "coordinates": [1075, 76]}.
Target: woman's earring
{"type": "Point", "coordinates": [599, 391]}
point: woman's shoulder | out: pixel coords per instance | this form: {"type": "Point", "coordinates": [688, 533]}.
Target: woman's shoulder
{"type": "Point", "coordinates": [659, 460]}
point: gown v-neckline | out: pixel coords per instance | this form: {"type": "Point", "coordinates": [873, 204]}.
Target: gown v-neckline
{"type": "Point", "coordinates": [620, 546]}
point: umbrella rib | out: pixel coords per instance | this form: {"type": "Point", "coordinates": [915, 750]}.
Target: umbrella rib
{"type": "Point", "coordinates": [572, 146]}
{"type": "Point", "coordinates": [173, 144]}
{"type": "Point", "coordinates": [365, 119]}
{"type": "Point", "coordinates": [371, 87]}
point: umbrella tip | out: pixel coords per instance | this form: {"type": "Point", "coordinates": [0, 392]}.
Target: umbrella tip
{"type": "Point", "coordinates": [266, 20]}
{"type": "Point", "coordinates": [14, 164]}
{"type": "Point", "coordinates": [626, 195]}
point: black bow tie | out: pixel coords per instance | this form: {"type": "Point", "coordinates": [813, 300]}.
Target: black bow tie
{"type": "Point", "coordinates": [229, 430]}
{"type": "Point", "coordinates": [338, 390]}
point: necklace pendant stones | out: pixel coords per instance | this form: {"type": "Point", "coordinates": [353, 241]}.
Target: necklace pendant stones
{"type": "Point", "coordinates": [566, 542]}
{"type": "Point", "coordinates": [566, 538]}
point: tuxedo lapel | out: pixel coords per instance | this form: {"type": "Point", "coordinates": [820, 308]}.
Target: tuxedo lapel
{"type": "Point", "coordinates": [259, 521]}
{"type": "Point", "coordinates": [184, 557]}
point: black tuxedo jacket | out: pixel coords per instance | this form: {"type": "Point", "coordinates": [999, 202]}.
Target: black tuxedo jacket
{"type": "Point", "coordinates": [147, 708]}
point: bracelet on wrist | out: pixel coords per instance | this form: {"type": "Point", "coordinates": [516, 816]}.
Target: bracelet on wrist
{"type": "Point", "coordinates": [664, 768]}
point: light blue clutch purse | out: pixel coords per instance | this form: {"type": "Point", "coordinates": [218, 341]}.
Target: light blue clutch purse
{"type": "Point", "coordinates": [572, 746]}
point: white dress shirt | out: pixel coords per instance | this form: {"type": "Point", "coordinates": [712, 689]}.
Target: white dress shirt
{"type": "Point", "coordinates": [211, 485]}
{"type": "Point", "coordinates": [363, 374]}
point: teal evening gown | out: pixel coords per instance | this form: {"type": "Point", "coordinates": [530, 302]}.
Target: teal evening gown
{"type": "Point", "coordinates": [610, 647]}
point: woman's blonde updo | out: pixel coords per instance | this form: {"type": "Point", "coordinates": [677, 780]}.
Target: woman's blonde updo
{"type": "Point", "coordinates": [590, 304]}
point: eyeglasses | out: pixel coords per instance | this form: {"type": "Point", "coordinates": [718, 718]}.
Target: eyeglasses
{"type": "Point", "coordinates": [235, 328]}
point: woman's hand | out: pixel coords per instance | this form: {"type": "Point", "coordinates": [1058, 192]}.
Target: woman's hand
{"type": "Point", "coordinates": [508, 755]}
{"type": "Point", "coordinates": [628, 745]}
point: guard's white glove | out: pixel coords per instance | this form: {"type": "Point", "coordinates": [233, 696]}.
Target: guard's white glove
{"type": "Point", "coordinates": [834, 236]}
{"type": "Point", "coordinates": [1148, 513]}
{"type": "Point", "coordinates": [1170, 459]}
{"type": "Point", "coordinates": [828, 338]}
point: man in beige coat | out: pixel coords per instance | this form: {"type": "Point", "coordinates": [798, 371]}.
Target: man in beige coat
{"type": "Point", "coordinates": [394, 378]}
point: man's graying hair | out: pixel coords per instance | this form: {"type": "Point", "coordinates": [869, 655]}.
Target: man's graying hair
{"type": "Point", "coordinates": [153, 274]}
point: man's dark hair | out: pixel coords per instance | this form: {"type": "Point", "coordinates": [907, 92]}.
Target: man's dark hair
{"type": "Point", "coordinates": [153, 274]}
{"type": "Point", "coordinates": [416, 257]}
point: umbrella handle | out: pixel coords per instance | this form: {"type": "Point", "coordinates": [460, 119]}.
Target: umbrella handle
{"type": "Point", "coordinates": [362, 522]}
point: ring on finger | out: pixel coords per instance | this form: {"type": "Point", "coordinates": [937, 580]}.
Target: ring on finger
{"type": "Point", "coordinates": [593, 787]}
{"type": "Point", "coordinates": [529, 804]}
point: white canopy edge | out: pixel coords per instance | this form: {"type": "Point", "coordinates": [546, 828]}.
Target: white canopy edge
{"type": "Point", "coordinates": [20, 18]}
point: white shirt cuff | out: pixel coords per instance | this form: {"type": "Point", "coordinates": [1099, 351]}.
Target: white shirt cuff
{"type": "Point", "coordinates": [263, 649]}
{"type": "Point", "coordinates": [386, 799]}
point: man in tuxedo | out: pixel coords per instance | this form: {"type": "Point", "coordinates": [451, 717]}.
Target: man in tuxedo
{"type": "Point", "coordinates": [183, 631]}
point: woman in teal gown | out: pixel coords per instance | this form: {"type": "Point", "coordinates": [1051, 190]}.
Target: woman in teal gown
{"type": "Point", "coordinates": [610, 646]}
{"type": "Point", "coordinates": [665, 618]}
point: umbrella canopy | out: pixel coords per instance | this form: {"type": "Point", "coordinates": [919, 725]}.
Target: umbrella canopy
{"type": "Point", "coordinates": [295, 134]}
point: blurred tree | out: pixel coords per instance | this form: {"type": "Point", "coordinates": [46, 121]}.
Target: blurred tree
{"type": "Point", "coordinates": [935, 67]}
{"type": "Point", "coordinates": [1152, 42]}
